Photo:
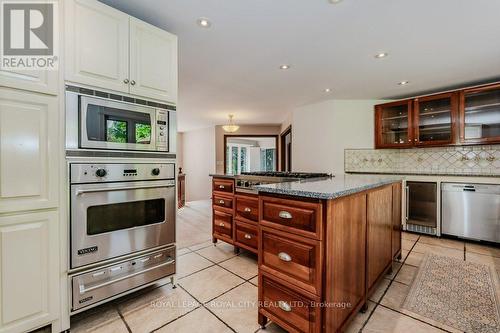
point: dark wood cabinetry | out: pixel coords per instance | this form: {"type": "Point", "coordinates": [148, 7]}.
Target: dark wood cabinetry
{"type": "Point", "coordinates": [468, 116]}
{"type": "Point", "coordinates": [235, 215]}
{"type": "Point", "coordinates": [324, 252]}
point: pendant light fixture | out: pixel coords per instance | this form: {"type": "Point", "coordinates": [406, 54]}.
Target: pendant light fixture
{"type": "Point", "coordinates": [230, 127]}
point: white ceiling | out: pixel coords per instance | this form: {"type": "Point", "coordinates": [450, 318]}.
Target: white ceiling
{"type": "Point", "coordinates": [233, 66]}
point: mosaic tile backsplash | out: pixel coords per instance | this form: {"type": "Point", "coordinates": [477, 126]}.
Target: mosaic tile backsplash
{"type": "Point", "coordinates": [464, 160]}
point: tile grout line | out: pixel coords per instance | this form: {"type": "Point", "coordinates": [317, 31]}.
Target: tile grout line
{"type": "Point", "coordinates": [417, 319]}
{"type": "Point", "coordinates": [179, 317]}
{"type": "Point", "coordinates": [209, 310]}
{"type": "Point", "coordinates": [123, 318]}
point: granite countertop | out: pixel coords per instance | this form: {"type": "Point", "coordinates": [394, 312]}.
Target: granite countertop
{"type": "Point", "coordinates": [437, 174]}
{"type": "Point", "coordinates": [331, 188]}
{"type": "Point", "coordinates": [222, 175]}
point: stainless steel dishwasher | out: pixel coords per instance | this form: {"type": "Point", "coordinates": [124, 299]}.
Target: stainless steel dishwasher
{"type": "Point", "coordinates": [471, 211]}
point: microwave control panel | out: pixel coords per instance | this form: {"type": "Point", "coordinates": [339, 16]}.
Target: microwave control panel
{"type": "Point", "coordinates": [162, 130]}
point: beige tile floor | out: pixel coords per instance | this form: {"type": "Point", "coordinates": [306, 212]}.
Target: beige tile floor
{"type": "Point", "coordinates": [217, 289]}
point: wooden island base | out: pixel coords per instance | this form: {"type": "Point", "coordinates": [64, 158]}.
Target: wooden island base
{"type": "Point", "coordinates": [319, 260]}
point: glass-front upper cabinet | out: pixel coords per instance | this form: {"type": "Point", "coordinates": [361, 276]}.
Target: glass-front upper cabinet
{"type": "Point", "coordinates": [480, 115]}
{"type": "Point", "coordinates": [435, 119]}
{"type": "Point", "coordinates": [394, 125]}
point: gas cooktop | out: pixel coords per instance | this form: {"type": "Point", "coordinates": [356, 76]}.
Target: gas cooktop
{"type": "Point", "coordinates": [246, 181]}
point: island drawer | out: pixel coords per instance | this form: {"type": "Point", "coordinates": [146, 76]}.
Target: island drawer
{"type": "Point", "coordinates": [223, 202]}
{"type": "Point", "coordinates": [223, 223]}
{"type": "Point", "coordinates": [247, 208]}
{"type": "Point", "coordinates": [293, 310]}
{"type": "Point", "coordinates": [292, 258]}
{"type": "Point", "coordinates": [223, 185]}
{"type": "Point", "coordinates": [298, 217]}
{"type": "Point", "coordinates": [247, 235]}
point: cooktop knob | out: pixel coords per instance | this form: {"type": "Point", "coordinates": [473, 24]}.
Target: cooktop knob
{"type": "Point", "coordinates": [100, 173]}
{"type": "Point", "coordinates": [155, 171]}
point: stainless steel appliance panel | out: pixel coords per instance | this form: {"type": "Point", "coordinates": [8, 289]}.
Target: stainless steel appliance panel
{"type": "Point", "coordinates": [116, 172]}
{"type": "Point", "coordinates": [105, 282]}
{"type": "Point", "coordinates": [109, 220]}
{"type": "Point", "coordinates": [471, 211]}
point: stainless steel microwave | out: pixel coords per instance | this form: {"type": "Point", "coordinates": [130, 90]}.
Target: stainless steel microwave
{"type": "Point", "coordinates": [98, 120]}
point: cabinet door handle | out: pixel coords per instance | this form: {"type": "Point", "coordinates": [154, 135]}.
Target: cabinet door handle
{"type": "Point", "coordinates": [248, 236]}
{"type": "Point", "coordinates": [247, 210]}
{"type": "Point", "coordinates": [284, 256]}
{"type": "Point", "coordinates": [132, 82]}
{"type": "Point", "coordinates": [285, 215]}
{"type": "Point", "coordinates": [221, 202]}
{"type": "Point", "coordinates": [284, 306]}
{"type": "Point", "coordinates": [126, 81]}
{"type": "Point", "coordinates": [222, 224]}
{"type": "Point", "coordinates": [221, 186]}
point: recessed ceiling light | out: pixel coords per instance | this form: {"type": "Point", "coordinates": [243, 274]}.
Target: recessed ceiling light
{"type": "Point", "coordinates": [327, 90]}
{"type": "Point", "coordinates": [334, 1]}
{"type": "Point", "coordinates": [381, 55]}
{"type": "Point", "coordinates": [204, 22]}
{"type": "Point", "coordinates": [402, 83]}
{"type": "Point", "coordinates": [284, 66]}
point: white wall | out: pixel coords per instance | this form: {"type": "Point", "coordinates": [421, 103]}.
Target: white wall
{"type": "Point", "coordinates": [198, 154]}
{"type": "Point", "coordinates": [321, 132]}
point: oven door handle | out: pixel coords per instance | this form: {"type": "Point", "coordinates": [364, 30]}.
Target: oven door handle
{"type": "Point", "coordinates": [78, 192]}
{"type": "Point", "coordinates": [84, 290]}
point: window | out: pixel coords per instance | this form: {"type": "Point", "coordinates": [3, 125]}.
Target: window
{"type": "Point", "coordinates": [116, 131]}
{"type": "Point", "coordinates": [250, 154]}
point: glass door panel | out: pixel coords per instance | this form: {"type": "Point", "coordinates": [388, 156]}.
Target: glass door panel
{"type": "Point", "coordinates": [434, 117]}
{"type": "Point", "coordinates": [481, 115]}
{"type": "Point", "coordinates": [394, 124]}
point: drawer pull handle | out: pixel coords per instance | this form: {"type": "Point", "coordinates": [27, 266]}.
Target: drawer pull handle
{"type": "Point", "coordinates": [247, 236]}
{"type": "Point", "coordinates": [248, 210]}
{"type": "Point", "coordinates": [222, 186]}
{"type": "Point", "coordinates": [222, 202]}
{"type": "Point", "coordinates": [222, 224]}
{"type": "Point", "coordinates": [284, 256]}
{"type": "Point", "coordinates": [285, 215]}
{"type": "Point", "coordinates": [284, 306]}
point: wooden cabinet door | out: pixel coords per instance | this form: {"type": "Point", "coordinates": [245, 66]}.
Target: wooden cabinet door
{"type": "Point", "coordinates": [45, 82]}
{"type": "Point", "coordinates": [396, 219]}
{"type": "Point", "coordinates": [394, 125]}
{"type": "Point", "coordinates": [29, 148]}
{"type": "Point", "coordinates": [153, 62]}
{"type": "Point", "coordinates": [435, 119]}
{"type": "Point", "coordinates": [480, 115]}
{"type": "Point", "coordinates": [96, 44]}
{"type": "Point", "coordinates": [379, 233]}
{"type": "Point", "coordinates": [29, 270]}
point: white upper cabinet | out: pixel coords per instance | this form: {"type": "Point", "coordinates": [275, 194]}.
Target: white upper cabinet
{"type": "Point", "coordinates": [29, 146]}
{"type": "Point", "coordinates": [153, 61]}
{"type": "Point", "coordinates": [42, 81]}
{"type": "Point", "coordinates": [96, 39]}
{"type": "Point", "coordinates": [108, 49]}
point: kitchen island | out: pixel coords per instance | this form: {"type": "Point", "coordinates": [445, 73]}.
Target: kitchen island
{"type": "Point", "coordinates": [322, 245]}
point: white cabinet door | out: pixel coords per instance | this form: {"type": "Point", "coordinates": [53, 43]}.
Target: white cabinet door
{"type": "Point", "coordinates": [153, 62]}
{"type": "Point", "coordinates": [29, 270]}
{"type": "Point", "coordinates": [39, 81]}
{"type": "Point", "coordinates": [29, 151]}
{"type": "Point", "coordinates": [96, 40]}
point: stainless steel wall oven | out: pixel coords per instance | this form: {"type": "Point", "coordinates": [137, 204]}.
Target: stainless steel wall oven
{"type": "Point", "coordinates": [122, 229]}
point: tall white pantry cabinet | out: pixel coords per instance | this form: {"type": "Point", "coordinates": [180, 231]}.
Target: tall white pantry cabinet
{"type": "Point", "coordinates": [31, 159]}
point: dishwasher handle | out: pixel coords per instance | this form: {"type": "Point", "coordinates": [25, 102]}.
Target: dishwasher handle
{"type": "Point", "coordinates": [407, 208]}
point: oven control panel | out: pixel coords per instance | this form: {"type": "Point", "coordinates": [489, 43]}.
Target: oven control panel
{"type": "Point", "coordinates": [117, 172]}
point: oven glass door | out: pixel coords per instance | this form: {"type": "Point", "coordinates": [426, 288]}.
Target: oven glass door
{"type": "Point", "coordinates": [109, 220]}
{"type": "Point", "coordinates": [108, 124]}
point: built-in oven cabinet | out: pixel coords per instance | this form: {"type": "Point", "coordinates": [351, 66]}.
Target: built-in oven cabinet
{"type": "Point", "coordinates": [109, 49]}
{"type": "Point", "coordinates": [29, 270]}
{"type": "Point", "coordinates": [41, 81]}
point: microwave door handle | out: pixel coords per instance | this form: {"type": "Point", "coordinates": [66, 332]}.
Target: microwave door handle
{"type": "Point", "coordinates": [84, 290]}
{"type": "Point", "coordinates": [78, 192]}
